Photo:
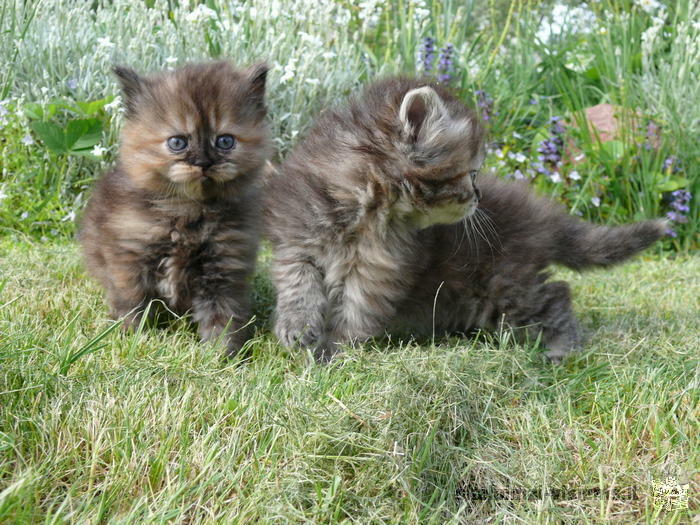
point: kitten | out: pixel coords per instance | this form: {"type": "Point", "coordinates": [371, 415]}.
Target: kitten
{"type": "Point", "coordinates": [177, 218]}
{"type": "Point", "coordinates": [379, 223]}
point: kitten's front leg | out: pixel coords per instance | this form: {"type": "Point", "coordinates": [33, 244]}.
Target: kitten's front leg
{"type": "Point", "coordinates": [126, 295]}
{"type": "Point", "coordinates": [215, 311]}
{"type": "Point", "coordinates": [301, 303]}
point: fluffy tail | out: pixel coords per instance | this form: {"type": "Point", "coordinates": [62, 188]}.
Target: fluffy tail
{"type": "Point", "coordinates": [582, 245]}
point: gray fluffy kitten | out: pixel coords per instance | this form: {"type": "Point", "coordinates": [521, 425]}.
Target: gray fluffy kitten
{"type": "Point", "coordinates": [379, 223]}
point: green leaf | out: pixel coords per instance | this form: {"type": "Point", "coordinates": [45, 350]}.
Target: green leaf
{"type": "Point", "coordinates": [90, 109]}
{"type": "Point", "coordinates": [34, 111]}
{"type": "Point", "coordinates": [51, 135]}
{"type": "Point", "coordinates": [670, 184]}
{"type": "Point", "coordinates": [614, 148]}
{"type": "Point", "coordinates": [83, 133]}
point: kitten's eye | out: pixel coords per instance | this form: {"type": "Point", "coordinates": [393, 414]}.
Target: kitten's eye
{"type": "Point", "coordinates": [225, 142]}
{"type": "Point", "coordinates": [177, 144]}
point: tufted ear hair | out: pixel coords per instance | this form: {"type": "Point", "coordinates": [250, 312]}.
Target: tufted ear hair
{"type": "Point", "coordinates": [256, 76]}
{"type": "Point", "coordinates": [423, 114]}
{"type": "Point", "coordinates": [132, 86]}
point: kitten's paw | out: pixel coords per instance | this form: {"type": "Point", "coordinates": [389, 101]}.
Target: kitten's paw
{"type": "Point", "coordinates": [296, 333]}
{"type": "Point", "coordinates": [209, 331]}
{"type": "Point", "coordinates": [556, 356]}
{"type": "Point", "coordinates": [130, 319]}
{"type": "Point", "coordinates": [325, 352]}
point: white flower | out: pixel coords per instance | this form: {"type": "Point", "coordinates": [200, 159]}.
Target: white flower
{"type": "Point", "coordinates": [574, 175]}
{"type": "Point", "coordinates": [170, 60]}
{"type": "Point", "coordinates": [421, 14]}
{"type": "Point", "coordinates": [105, 42]}
{"type": "Point", "coordinates": [517, 135]}
{"type": "Point", "coordinates": [70, 216]}
{"type": "Point", "coordinates": [519, 157]}
{"type": "Point", "coordinates": [370, 11]}
{"type": "Point", "coordinates": [555, 177]}
{"type": "Point", "coordinates": [313, 40]}
{"type": "Point", "coordinates": [578, 61]}
{"type": "Point", "coordinates": [24, 215]}
{"type": "Point", "coordinates": [649, 6]}
{"type": "Point", "coordinates": [564, 20]}
{"type": "Point", "coordinates": [329, 54]}
{"type": "Point", "coordinates": [499, 153]}
{"type": "Point", "coordinates": [579, 158]}
{"type": "Point", "coordinates": [3, 195]}
{"type": "Point", "coordinates": [595, 201]}
{"type": "Point", "coordinates": [420, 10]}
{"type": "Point", "coordinates": [312, 81]}
{"type": "Point", "coordinates": [27, 140]}
{"type": "Point", "coordinates": [115, 105]}
{"type": "Point", "coordinates": [201, 13]}
{"type": "Point", "coordinates": [289, 72]}
{"type": "Point", "coordinates": [98, 150]}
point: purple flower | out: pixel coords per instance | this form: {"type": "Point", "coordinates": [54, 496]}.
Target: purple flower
{"type": "Point", "coordinates": [72, 83]}
{"type": "Point", "coordinates": [446, 64]}
{"type": "Point", "coordinates": [683, 195]}
{"type": "Point", "coordinates": [653, 136]}
{"type": "Point", "coordinates": [426, 54]}
{"type": "Point", "coordinates": [677, 217]}
{"type": "Point", "coordinates": [485, 103]}
{"type": "Point", "coordinates": [551, 150]}
{"type": "Point", "coordinates": [679, 206]}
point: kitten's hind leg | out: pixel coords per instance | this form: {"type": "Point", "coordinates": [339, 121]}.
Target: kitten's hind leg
{"type": "Point", "coordinates": [547, 309]}
{"type": "Point", "coordinates": [301, 304]}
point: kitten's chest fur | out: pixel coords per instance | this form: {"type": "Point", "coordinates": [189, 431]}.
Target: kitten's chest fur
{"type": "Point", "coordinates": [177, 257]}
{"type": "Point", "coordinates": [367, 270]}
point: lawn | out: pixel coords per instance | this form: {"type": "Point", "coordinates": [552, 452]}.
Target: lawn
{"type": "Point", "coordinates": [98, 426]}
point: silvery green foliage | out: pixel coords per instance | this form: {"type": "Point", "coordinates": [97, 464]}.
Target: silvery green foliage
{"type": "Point", "coordinates": [69, 48]}
{"type": "Point", "coordinates": [670, 71]}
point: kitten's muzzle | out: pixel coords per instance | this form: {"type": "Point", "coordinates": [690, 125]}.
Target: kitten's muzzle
{"type": "Point", "coordinates": [203, 162]}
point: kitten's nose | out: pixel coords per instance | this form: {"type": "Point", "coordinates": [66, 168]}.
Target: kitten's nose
{"type": "Point", "coordinates": [203, 162]}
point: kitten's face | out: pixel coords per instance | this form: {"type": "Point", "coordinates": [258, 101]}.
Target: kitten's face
{"type": "Point", "coordinates": [191, 132]}
{"type": "Point", "coordinates": [443, 142]}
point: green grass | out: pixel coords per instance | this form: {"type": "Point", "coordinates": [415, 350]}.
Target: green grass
{"type": "Point", "coordinates": [97, 426]}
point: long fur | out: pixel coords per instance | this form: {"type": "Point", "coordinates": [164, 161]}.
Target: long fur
{"type": "Point", "coordinates": [183, 227]}
{"type": "Point", "coordinates": [374, 230]}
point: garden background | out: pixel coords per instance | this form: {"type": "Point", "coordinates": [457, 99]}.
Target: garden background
{"type": "Point", "coordinates": [596, 104]}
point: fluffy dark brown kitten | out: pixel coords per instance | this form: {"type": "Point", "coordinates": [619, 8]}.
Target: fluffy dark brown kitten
{"type": "Point", "coordinates": [379, 224]}
{"type": "Point", "coordinates": [176, 219]}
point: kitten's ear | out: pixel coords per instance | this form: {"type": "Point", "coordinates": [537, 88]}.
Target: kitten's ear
{"type": "Point", "coordinates": [132, 86]}
{"type": "Point", "coordinates": [256, 76]}
{"type": "Point", "coordinates": [423, 113]}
